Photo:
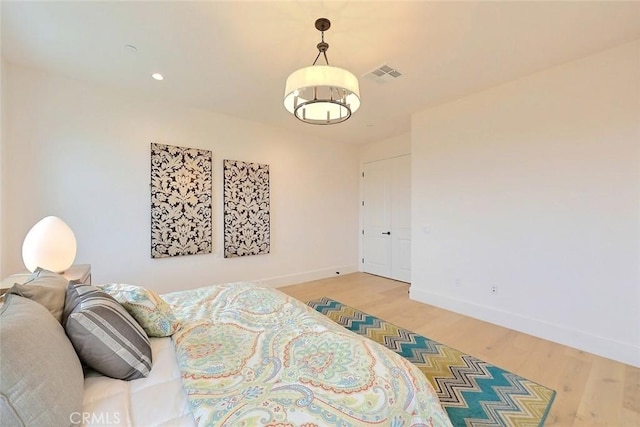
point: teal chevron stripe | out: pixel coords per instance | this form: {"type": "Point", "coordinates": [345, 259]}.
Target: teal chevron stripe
{"type": "Point", "coordinates": [473, 392]}
{"type": "Point", "coordinates": [488, 399]}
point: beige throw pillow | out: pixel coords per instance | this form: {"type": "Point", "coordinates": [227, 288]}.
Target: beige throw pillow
{"type": "Point", "coordinates": [42, 380]}
{"type": "Point", "coordinates": [46, 288]}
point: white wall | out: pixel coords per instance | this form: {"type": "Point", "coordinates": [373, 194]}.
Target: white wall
{"type": "Point", "coordinates": [81, 152]}
{"type": "Point", "coordinates": [534, 187]}
{"type": "Point", "coordinates": [396, 146]}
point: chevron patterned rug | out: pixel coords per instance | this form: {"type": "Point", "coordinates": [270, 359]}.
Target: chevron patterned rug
{"type": "Point", "coordinates": [473, 392]}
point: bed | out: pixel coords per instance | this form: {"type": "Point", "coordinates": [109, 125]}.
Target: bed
{"type": "Point", "coordinates": [243, 355]}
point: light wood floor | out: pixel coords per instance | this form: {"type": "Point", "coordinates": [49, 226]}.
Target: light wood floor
{"type": "Point", "coordinates": [591, 390]}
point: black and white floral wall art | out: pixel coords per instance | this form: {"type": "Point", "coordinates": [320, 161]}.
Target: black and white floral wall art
{"type": "Point", "coordinates": [246, 209]}
{"type": "Point", "coordinates": [181, 194]}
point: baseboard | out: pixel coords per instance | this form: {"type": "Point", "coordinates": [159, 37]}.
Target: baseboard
{"type": "Point", "coordinates": [602, 346]}
{"type": "Point", "coordinates": [307, 276]}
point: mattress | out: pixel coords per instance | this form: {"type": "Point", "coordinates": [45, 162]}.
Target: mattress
{"type": "Point", "coordinates": [158, 400]}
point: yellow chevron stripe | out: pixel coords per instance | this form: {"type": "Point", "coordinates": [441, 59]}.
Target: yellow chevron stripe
{"type": "Point", "coordinates": [533, 407]}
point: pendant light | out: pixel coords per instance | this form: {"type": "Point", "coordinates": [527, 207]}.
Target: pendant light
{"type": "Point", "coordinates": [322, 94]}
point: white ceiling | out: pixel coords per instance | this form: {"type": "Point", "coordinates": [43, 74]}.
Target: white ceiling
{"type": "Point", "coordinates": [233, 57]}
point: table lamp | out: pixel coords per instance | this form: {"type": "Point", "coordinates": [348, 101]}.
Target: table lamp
{"type": "Point", "coordinates": [50, 245]}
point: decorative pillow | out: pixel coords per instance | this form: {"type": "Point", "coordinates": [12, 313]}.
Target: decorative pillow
{"type": "Point", "coordinates": [104, 335]}
{"type": "Point", "coordinates": [147, 307]}
{"type": "Point", "coordinates": [44, 287]}
{"type": "Point", "coordinates": [42, 381]}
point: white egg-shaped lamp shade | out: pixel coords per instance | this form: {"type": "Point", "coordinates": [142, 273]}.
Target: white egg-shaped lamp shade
{"type": "Point", "coordinates": [50, 244]}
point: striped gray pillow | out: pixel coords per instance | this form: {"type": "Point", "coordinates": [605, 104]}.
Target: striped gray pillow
{"type": "Point", "coordinates": [105, 337]}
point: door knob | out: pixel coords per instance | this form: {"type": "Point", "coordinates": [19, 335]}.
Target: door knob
{"type": "Point", "coordinates": [388, 233]}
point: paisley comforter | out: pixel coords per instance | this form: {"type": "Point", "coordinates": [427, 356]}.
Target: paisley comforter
{"type": "Point", "coordinates": [253, 356]}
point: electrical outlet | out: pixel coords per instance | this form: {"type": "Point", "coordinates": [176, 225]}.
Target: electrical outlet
{"type": "Point", "coordinates": [494, 289]}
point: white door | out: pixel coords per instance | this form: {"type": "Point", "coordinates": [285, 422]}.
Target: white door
{"type": "Point", "coordinates": [386, 218]}
{"type": "Point", "coordinates": [376, 219]}
{"type": "Point", "coordinates": [401, 219]}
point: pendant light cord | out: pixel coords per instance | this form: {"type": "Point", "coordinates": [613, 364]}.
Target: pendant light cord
{"type": "Point", "coordinates": [322, 50]}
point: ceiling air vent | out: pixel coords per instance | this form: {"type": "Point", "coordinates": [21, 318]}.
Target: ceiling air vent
{"type": "Point", "coordinates": [383, 74]}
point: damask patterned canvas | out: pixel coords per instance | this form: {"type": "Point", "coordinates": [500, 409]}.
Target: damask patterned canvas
{"type": "Point", "coordinates": [246, 209]}
{"type": "Point", "coordinates": [181, 194]}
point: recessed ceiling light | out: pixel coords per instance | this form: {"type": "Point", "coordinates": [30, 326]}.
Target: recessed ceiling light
{"type": "Point", "coordinates": [157, 76]}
